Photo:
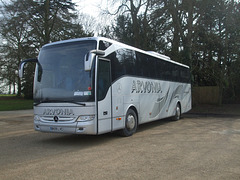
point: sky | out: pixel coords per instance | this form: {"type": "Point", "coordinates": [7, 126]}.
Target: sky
{"type": "Point", "coordinates": [91, 7]}
{"type": "Point", "coordinates": [95, 9]}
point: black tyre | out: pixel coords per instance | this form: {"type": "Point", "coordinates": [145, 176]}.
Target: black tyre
{"type": "Point", "coordinates": [177, 113]}
{"type": "Point", "coordinates": [131, 123]}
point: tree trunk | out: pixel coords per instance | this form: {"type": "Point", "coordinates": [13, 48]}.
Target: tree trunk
{"type": "Point", "coordinates": [19, 92]}
{"type": "Point", "coordinates": [188, 45]}
{"type": "Point", "coordinates": [134, 12]}
{"type": "Point", "coordinates": [46, 23]}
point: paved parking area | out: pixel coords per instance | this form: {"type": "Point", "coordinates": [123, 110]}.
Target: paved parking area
{"type": "Point", "coordinates": [199, 146]}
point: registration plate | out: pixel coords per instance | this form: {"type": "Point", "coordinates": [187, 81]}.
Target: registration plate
{"type": "Point", "coordinates": [54, 129]}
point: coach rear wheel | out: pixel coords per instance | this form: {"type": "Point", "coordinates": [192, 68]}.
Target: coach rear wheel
{"type": "Point", "coordinates": [177, 113]}
{"type": "Point", "coordinates": [130, 123]}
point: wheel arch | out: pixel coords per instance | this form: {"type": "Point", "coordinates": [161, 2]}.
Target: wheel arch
{"type": "Point", "coordinates": [135, 110]}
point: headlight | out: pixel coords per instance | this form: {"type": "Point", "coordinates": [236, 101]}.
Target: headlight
{"type": "Point", "coordinates": [86, 118]}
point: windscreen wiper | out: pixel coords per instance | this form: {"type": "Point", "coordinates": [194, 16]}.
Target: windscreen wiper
{"type": "Point", "coordinates": [58, 101]}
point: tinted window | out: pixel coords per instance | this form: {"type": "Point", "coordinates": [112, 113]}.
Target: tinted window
{"type": "Point", "coordinates": [128, 62]}
{"type": "Point", "coordinates": [123, 62]}
{"type": "Point", "coordinates": [103, 45]}
{"type": "Point", "coordinates": [103, 78]}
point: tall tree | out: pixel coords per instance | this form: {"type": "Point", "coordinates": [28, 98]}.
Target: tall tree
{"type": "Point", "coordinates": [16, 36]}
{"type": "Point", "coordinates": [27, 25]}
{"type": "Point", "coordinates": [231, 39]}
{"type": "Point", "coordinates": [138, 14]}
{"type": "Point", "coordinates": [203, 34]}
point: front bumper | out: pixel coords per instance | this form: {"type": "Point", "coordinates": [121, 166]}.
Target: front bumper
{"type": "Point", "coordinates": [87, 127]}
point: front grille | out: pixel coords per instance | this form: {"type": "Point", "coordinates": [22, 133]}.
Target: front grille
{"type": "Point", "coordinates": [61, 119]}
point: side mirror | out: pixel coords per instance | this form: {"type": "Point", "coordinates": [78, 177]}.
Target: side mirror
{"type": "Point", "coordinates": [21, 66]}
{"type": "Point", "coordinates": [21, 69]}
{"type": "Point", "coordinates": [89, 58]}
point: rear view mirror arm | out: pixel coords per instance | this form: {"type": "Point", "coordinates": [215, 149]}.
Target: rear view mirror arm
{"type": "Point", "coordinates": [21, 65]}
{"type": "Point", "coordinates": [89, 58]}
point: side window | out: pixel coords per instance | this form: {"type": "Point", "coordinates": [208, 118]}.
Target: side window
{"type": "Point", "coordinates": [103, 82]}
{"type": "Point", "coordinates": [159, 69]}
{"type": "Point", "coordinates": [122, 63]}
{"type": "Point", "coordinates": [185, 75]}
{"type": "Point", "coordinates": [127, 59]}
{"type": "Point", "coordinates": [116, 66]}
{"type": "Point", "coordinates": [146, 66]}
{"type": "Point", "coordinates": [103, 45]}
{"type": "Point", "coordinates": [152, 67]}
{"type": "Point", "coordinates": [142, 65]}
{"type": "Point", "coordinates": [175, 73]}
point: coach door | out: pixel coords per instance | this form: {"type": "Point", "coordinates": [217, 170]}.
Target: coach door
{"type": "Point", "coordinates": [104, 96]}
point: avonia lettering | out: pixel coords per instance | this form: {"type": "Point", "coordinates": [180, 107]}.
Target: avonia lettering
{"type": "Point", "coordinates": [145, 87]}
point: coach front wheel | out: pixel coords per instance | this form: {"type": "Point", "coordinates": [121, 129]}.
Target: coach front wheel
{"type": "Point", "coordinates": [130, 123]}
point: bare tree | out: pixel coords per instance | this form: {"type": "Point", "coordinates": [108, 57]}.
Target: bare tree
{"type": "Point", "coordinates": [138, 12]}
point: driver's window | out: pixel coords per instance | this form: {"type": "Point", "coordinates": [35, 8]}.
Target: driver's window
{"type": "Point", "coordinates": [103, 79]}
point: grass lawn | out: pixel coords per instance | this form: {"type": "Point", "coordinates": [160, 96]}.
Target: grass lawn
{"type": "Point", "coordinates": [11, 103]}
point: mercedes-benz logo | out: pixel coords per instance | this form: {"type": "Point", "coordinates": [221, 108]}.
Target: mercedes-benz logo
{"type": "Point", "coordinates": [55, 118]}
